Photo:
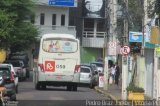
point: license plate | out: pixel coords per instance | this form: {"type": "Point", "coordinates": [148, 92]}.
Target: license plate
{"type": "Point", "coordinates": [59, 77]}
{"type": "Point", "coordinates": [83, 76]}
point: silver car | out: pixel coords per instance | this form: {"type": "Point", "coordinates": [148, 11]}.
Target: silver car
{"type": "Point", "coordinates": [99, 66]}
{"type": "Point", "coordinates": [18, 67]}
{"type": "Point", "coordinates": [85, 75]}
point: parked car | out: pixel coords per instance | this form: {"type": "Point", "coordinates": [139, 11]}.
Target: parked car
{"type": "Point", "coordinates": [99, 66]}
{"type": "Point", "coordinates": [23, 56]}
{"type": "Point", "coordinates": [88, 75]}
{"type": "Point", "coordinates": [9, 81]}
{"type": "Point", "coordinates": [15, 74]}
{"type": "Point", "coordinates": [18, 67]}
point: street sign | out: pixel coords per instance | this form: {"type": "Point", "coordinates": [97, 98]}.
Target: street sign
{"type": "Point", "coordinates": [65, 3]}
{"type": "Point", "coordinates": [112, 48]}
{"type": "Point", "coordinates": [125, 50]}
{"type": "Point", "coordinates": [101, 81]}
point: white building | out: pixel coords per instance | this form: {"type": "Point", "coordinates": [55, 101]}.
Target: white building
{"type": "Point", "coordinates": [52, 16]}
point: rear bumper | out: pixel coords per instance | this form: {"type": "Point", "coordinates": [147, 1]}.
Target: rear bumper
{"type": "Point", "coordinates": [85, 81]}
{"type": "Point", "coordinates": [56, 83]}
{"type": "Point", "coordinates": [49, 77]}
{"type": "Point", "coordinates": [10, 89]}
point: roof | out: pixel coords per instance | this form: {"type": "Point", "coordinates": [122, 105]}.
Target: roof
{"type": "Point", "coordinates": [58, 35]}
{"type": "Point", "coordinates": [5, 65]}
{"type": "Point", "coordinates": [96, 62]}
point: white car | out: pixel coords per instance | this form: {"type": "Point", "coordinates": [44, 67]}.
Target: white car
{"type": "Point", "coordinates": [15, 75]}
{"type": "Point", "coordinates": [85, 74]}
{"type": "Point", "coordinates": [99, 66]}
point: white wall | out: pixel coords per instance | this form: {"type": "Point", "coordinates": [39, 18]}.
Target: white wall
{"type": "Point", "coordinates": [47, 27]}
{"type": "Point", "coordinates": [149, 62]}
{"type": "Point", "coordinates": [49, 10]}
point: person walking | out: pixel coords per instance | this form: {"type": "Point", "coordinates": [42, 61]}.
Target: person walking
{"type": "Point", "coordinates": [113, 73]}
{"type": "Point", "coordinates": [117, 73]}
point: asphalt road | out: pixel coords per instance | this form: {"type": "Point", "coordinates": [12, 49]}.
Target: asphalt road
{"type": "Point", "coordinates": [57, 96]}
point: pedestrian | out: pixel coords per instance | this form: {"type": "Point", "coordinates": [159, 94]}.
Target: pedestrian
{"type": "Point", "coordinates": [113, 73]}
{"type": "Point", "coordinates": [117, 73]}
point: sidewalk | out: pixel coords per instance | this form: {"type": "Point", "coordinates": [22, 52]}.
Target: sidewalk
{"type": "Point", "coordinates": [113, 92]}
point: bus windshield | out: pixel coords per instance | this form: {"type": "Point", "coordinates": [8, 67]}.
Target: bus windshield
{"type": "Point", "coordinates": [60, 45]}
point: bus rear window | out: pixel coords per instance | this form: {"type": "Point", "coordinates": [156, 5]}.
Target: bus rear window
{"type": "Point", "coordinates": [60, 45]}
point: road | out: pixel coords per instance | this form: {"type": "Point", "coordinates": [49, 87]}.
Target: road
{"type": "Point", "coordinates": [56, 96]}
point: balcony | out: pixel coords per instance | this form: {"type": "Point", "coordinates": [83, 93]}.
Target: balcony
{"type": "Point", "coordinates": [56, 29]}
{"type": "Point", "coordinates": [93, 39]}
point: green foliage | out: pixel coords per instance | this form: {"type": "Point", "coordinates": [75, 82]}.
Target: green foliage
{"type": "Point", "coordinates": [135, 9]}
{"type": "Point", "coordinates": [15, 29]}
{"type": "Point", "coordinates": [133, 88]}
{"type": "Point", "coordinates": [157, 7]}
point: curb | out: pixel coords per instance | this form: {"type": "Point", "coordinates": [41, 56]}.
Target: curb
{"type": "Point", "coordinates": [106, 94]}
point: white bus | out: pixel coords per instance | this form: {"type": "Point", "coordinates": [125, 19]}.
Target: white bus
{"type": "Point", "coordinates": [58, 62]}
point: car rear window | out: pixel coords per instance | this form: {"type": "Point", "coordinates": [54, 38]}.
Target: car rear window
{"type": "Point", "coordinates": [85, 70]}
{"type": "Point", "coordinates": [97, 64]}
{"type": "Point", "coordinates": [16, 64]}
{"type": "Point", "coordinates": [4, 71]}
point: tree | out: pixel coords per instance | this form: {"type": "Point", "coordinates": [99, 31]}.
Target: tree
{"type": "Point", "coordinates": [157, 7]}
{"type": "Point", "coordinates": [135, 10]}
{"type": "Point", "coordinates": [16, 30]}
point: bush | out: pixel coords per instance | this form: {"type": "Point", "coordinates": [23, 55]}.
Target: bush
{"type": "Point", "coordinates": [133, 88]}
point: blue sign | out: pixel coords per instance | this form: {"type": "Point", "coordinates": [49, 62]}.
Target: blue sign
{"type": "Point", "coordinates": [64, 3]}
{"type": "Point", "coordinates": [135, 37]}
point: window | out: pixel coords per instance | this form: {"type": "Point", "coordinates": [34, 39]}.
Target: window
{"type": "Point", "coordinates": [42, 18]}
{"type": "Point", "coordinates": [85, 70]}
{"type": "Point", "coordinates": [60, 45]}
{"type": "Point", "coordinates": [53, 19]}
{"type": "Point", "coordinates": [62, 20]}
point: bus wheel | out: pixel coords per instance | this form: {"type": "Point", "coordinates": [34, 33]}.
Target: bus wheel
{"type": "Point", "coordinates": [69, 88]}
{"type": "Point", "coordinates": [37, 86]}
{"type": "Point", "coordinates": [75, 87]}
{"type": "Point", "coordinates": [43, 87]}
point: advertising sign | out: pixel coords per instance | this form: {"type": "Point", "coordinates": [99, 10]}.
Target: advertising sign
{"type": "Point", "coordinates": [101, 81]}
{"type": "Point", "coordinates": [50, 66]}
{"type": "Point", "coordinates": [135, 37]}
{"type": "Point", "coordinates": [64, 3]}
{"type": "Point", "coordinates": [94, 8]}
{"type": "Point", "coordinates": [157, 51]}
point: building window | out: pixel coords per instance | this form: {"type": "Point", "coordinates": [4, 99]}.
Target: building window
{"type": "Point", "coordinates": [53, 19]}
{"type": "Point", "coordinates": [42, 18]}
{"type": "Point", "coordinates": [62, 20]}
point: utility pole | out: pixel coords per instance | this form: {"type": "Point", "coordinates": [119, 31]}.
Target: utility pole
{"type": "Point", "coordinates": [106, 47]}
{"type": "Point", "coordinates": [112, 17]}
{"type": "Point", "coordinates": [125, 58]}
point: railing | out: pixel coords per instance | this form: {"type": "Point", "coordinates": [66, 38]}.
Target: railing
{"type": "Point", "coordinates": [55, 27]}
{"type": "Point", "coordinates": [90, 34]}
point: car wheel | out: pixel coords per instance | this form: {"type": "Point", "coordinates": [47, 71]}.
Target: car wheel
{"type": "Point", "coordinates": [91, 85]}
{"type": "Point", "coordinates": [17, 89]}
{"type": "Point", "coordinates": [74, 87]}
{"type": "Point", "coordinates": [13, 97]}
{"type": "Point", "coordinates": [69, 88]}
{"type": "Point", "coordinates": [43, 87]}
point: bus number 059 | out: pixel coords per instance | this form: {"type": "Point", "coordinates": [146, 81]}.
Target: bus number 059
{"type": "Point", "coordinates": [60, 66]}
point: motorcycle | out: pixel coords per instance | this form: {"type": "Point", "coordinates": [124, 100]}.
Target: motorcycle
{"type": "Point", "coordinates": [2, 92]}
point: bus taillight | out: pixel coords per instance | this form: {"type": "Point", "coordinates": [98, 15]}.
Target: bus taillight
{"type": "Point", "coordinates": [41, 67]}
{"type": "Point", "coordinates": [77, 68]}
